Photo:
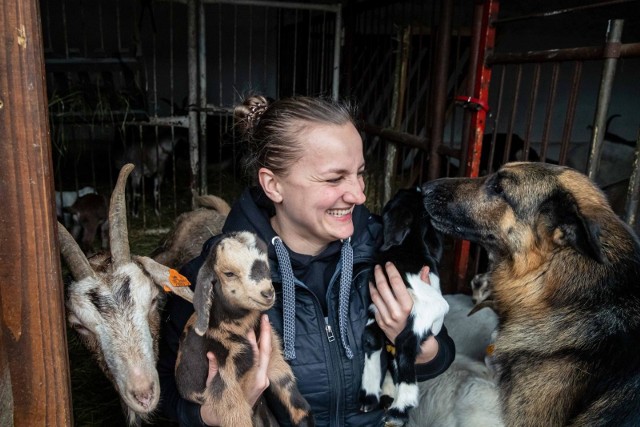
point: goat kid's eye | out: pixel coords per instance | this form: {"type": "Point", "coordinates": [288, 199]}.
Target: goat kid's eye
{"type": "Point", "coordinates": [229, 274]}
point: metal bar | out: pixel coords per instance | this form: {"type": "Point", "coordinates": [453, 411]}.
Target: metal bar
{"type": "Point", "coordinates": [474, 57]}
{"type": "Point", "coordinates": [337, 53]}
{"type": "Point", "coordinates": [571, 109]}
{"type": "Point", "coordinates": [171, 107]}
{"type": "Point", "coordinates": [532, 106]}
{"type": "Point", "coordinates": [439, 100]}
{"type": "Point", "coordinates": [478, 121]}
{"type": "Point", "coordinates": [309, 71]}
{"type": "Point", "coordinates": [295, 52]}
{"type": "Point", "coordinates": [202, 97]}
{"type": "Point", "coordinates": [278, 4]}
{"type": "Point", "coordinates": [192, 55]}
{"type": "Point", "coordinates": [498, 114]}
{"type": "Point", "coordinates": [631, 207]}
{"type": "Point", "coordinates": [589, 53]}
{"type": "Point", "coordinates": [512, 119]}
{"type": "Point", "coordinates": [562, 11]}
{"type": "Point", "coordinates": [549, 113]}
{"type": "Point", "coordinates": [397, 110]}
{"type": "Point", "coordinates": [395, 136]}
{"type": "Point", "coordinates": [614, 34]}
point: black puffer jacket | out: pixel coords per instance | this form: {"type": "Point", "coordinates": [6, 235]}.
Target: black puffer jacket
{"type": "Point", "coordinates": [326, 377]}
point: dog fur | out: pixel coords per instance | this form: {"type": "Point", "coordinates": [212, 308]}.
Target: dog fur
{"type": "Point", "coordinates": [566, 288]}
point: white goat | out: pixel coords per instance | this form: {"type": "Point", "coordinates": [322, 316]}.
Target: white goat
{"type": "Point", "coordinates": [113, 305]}
{"type": "Point", "coordinates": [464, 395]}
{"type": "Point", "coordinates": [470, 333]}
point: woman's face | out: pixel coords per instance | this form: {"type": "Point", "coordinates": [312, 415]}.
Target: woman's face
{"type": "Point", "coordinates": [321, 189]}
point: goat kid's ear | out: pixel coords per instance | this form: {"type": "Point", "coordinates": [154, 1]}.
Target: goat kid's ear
{"type": "Point", "coordinates": [167, 278]}
{"type": "Point", "coordinates": [202, 298]}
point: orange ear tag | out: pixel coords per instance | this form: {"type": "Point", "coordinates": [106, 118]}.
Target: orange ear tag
{"type": "Point", "coordinates": [176, 279]}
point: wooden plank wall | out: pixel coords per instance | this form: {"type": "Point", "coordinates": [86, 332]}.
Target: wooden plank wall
{"type": "Point", "coordinates": [34, 367]}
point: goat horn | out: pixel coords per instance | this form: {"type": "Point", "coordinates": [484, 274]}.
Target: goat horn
{"type": "Point", "coordinates": [73, 255]}
{"type": "Point", "coordinates": [118, 235]}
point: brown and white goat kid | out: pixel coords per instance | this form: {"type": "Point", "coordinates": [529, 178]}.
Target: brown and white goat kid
{"type": "Point", "coordinates": [112, 304]}
{"type": "Point", "coordinates": [233, 288]}
{"type": "Point", "coordinates": [410, 242]}
{"type": "Point", "coordinates": [89, 214]}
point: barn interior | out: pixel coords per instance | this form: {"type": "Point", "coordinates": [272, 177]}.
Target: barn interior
{"type": "Point", "coordinates": [443, 88]}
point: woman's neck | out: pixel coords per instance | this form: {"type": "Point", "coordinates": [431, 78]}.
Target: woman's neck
{"type": "Point", "coordinates": [294, 241]}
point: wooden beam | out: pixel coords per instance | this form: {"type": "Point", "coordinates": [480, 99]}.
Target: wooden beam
{"type": "Point", "coordinates": [33, 347]}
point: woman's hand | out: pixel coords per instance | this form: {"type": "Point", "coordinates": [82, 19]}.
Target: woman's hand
{"type": "Point", "coordinates": [253, 389]}
{"type": "Point", "coordinates": [394, 304]}
{"type": "Point", "coordinates": [392, 300]}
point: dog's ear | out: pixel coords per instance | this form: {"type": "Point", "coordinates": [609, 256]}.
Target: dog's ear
{"type": "Point", "coordinates": [573, 228]}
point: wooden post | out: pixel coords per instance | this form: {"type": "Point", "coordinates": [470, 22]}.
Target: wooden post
{"type": "Point", "coordinates": [33, 347]}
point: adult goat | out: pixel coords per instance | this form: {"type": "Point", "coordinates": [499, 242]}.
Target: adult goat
{"type": "Point", "coordinates": [113, 305]}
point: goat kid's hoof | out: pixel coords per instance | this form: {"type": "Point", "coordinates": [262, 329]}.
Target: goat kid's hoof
{"type": "Point", "coordinates": [394, 419]}
{"type": "Point", "coordinates": [368, 402]}
{"type": "Point", "coordinates": [386, 401]}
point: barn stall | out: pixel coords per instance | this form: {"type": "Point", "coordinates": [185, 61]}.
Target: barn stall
{"type": "Point", "coordinates": [429, 78]}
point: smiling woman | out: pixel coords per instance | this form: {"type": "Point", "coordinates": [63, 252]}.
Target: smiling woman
{"type": "Point", "coordinates": [306, 159]}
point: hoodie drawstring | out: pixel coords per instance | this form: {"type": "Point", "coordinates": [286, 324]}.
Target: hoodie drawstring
{"type": "Point", "coordinates": [289, 296]}
{"type": "Point", "coordinates": [346, 257]}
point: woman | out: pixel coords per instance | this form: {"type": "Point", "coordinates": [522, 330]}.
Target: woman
{"type": "Point", "coordinates": [308, 159]}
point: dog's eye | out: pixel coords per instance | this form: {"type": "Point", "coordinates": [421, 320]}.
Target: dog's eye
{"type": "Point", "coordinates": [228, 274]}
{"type": "Point", "coordinates": [496, 188]}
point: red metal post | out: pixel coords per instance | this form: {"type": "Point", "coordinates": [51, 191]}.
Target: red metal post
{"type": "Point", "coordinates": [478, 122]}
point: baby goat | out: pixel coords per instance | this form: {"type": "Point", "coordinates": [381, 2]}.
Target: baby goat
{"type": "Point", "coordinates": [411, 243]}
{"type": "Point", "coordinates": [233, 288]}
{"type": "Point", "coordinates": [64, 199]}
{"type": "Point", "coordinates": [89, 214]}
{"type": "Point", "coordinates": [112, 304]}
{"type": "Point", "coordinates": [150, 160]}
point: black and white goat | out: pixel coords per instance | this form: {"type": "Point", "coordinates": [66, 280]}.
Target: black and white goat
{"type": "Point", "coordinates": [113, 305]}
{"type": "Point", "coordinates": [233, 289]}
{"type": "Point", "coordinates": [411, 243]}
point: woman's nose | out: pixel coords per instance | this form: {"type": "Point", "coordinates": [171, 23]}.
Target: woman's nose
{"type": "Point", "coordinates": [355, 193]}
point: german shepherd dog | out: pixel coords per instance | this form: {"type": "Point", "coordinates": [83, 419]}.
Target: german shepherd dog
{"type": "Point", "coordinates": [566, 288]}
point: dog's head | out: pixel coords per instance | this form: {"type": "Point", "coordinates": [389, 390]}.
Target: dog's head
{"type": "Point", "coordinates": [525, 209]}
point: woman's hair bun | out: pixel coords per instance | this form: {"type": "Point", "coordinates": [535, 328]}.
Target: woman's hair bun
{"type": "Point", "coordinates": [248, 114]}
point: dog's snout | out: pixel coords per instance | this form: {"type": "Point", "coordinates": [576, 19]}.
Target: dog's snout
{"type": "Point", "coordinates": [427, 188]}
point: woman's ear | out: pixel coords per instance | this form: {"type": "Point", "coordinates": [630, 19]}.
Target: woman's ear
{"type": "Point", "coordinates": [269, 183]}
